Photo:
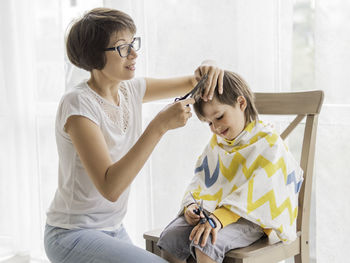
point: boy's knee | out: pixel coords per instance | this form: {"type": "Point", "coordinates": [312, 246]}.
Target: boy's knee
{"type": "Point", "coordinates": [169, 233]}
{"type": "Point", "coordinates": [202, 257]}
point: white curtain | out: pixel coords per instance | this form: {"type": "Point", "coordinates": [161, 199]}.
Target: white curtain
{"type": "Point", "coordinates": [332, 74]}
{"type": "Point", "coordinates": [258, 39]}
{"type": "Point", "coordinates": [20, 227]}
{"type": "Point", "coordinates": [32, 80]}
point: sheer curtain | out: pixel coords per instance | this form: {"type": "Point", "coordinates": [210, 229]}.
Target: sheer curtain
{"type": "Point", "coordinates": [32, 80]}
{"type": "Point", "coordinates": [332, 74]}
{"type": "Point", "coordinates": [277, 45]}
{"type": "Point", "coordinates": [20, 227]}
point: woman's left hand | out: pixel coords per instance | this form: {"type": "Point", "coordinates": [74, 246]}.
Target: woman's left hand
{"type": "Point", "coordinates": [215, 76]}
{"type": "Point", "coordinates": [203, 230]}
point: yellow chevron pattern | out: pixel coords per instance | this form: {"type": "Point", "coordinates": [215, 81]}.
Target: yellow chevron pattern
{"type": "Point", "coordinates": [250, 126]}
{"type": "Point", "coordinates": [270, 197]}
{"type": "Point", "coordinates": [196, 192]}
{"type": "Point", "coordinates": [215, 197]}
{"type": "Point", "coordinates": [280, 228]}
{"type": "Point", "coordinates": [213, 141]}
{"type": "Point", "coordinates": [270, 138]}
{"type": "Point", "coordinates": [250, 165]}
{"type": "Point", "coordinates": [233, 189]}
{"type": "Point", "coordinates": [231, 171]}
{"type": "Point", "coordinates": [238, 159]}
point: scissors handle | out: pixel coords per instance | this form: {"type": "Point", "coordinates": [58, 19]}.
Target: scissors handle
{"type": "Point", "coordinates": [197, 211]}
{"type": "Point", "coordinates": [181, 98]}
{"type": "Point", "coordinates": [211, 221]}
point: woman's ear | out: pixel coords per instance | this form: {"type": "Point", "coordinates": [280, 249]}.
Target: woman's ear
{"type": "Point", "coordinates": [242, 102]}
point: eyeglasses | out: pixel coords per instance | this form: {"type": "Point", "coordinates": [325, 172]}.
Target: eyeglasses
{"type": "Point", "coordinates": [125, 49]}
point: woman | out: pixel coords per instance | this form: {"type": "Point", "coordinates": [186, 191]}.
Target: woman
{"type": "Point", "coordinates": [98, 128]}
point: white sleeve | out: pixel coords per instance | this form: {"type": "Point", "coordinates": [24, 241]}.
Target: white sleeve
{"type": "Point", "coordinates": [137, 88]}
{"type": "Point", "coordinates": [74, 103]}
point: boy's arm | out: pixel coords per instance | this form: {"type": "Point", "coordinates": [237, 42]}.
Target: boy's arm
{"type": "Point", "coordinates": [225, 216]}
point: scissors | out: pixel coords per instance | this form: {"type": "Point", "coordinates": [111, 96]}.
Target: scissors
{"type": "Point", "coordinates": [193, 91]}
{"type": "Point", "coordinates": [206, 217]}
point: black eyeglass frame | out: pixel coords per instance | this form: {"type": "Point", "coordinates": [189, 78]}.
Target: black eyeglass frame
{"type": "Point", "coordinates": [131, 45]}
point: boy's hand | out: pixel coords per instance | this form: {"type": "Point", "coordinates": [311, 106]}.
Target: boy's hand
{"type": "Point", "coordinates": [190, 217]}
{"type": "Point", "coordinates": [215, 77]}
{"type": "Point", "coordinates": [203, 230]}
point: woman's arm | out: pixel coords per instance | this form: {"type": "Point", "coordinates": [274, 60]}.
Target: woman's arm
{"type": "Point", "coordinates": [157, 89]}
{"type": "Point", "coordinates": [111, 179]}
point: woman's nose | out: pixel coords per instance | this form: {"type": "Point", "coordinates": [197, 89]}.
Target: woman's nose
{"type": "Point", "coordinates": [132, 54]}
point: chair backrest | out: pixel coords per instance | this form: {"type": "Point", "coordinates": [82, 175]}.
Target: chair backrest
{"type": "Point", "coordinates": [302, 104]}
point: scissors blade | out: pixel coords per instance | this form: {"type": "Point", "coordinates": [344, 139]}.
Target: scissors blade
{"type": "Point", "coordinates": [199, 85]}
{"type": "Point", "coordinates": [193, 198]}
{"type": "Point", "coordinates": [194, 90]}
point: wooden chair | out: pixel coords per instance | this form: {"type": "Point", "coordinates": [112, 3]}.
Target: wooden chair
{"type": "Point", "coordinates": [302, 104]}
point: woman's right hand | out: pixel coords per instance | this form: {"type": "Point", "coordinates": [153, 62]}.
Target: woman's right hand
{"type": "Point", "coordinates": [175, 115]}
{"type": "Point", "coordinates": [191, 217]}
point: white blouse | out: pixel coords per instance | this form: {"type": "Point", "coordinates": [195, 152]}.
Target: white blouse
{"type": "Point", "coordinates": [77, 202]}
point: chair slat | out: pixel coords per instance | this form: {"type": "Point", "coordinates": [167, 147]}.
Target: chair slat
{"type": "Point", "coordinates": [292, 126]}
{"type": "Point", "coordinates": [289, 103]}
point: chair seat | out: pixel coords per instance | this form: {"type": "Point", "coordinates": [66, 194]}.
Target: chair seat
{"type": "Point", "coordinates": [262, 249]}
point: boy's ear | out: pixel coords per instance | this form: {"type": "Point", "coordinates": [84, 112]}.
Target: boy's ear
{"type": "Point", "coordinates": [242, 102]}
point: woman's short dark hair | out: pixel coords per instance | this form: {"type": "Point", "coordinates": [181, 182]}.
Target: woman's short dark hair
{"type": "Point", "coordinates": [90, 35]}
{"type": "Point", "coordinates": [233, 87]}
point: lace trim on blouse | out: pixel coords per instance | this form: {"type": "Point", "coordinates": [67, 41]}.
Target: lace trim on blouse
{"type": "Point", "coordinates": [118, 115]}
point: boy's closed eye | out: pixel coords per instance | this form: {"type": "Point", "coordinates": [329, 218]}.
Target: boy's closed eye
{"type": "Point", "coordinates": [218, 118]}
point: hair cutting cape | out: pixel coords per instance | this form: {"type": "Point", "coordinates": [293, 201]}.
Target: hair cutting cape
{"type": "Point", "coordinates": [254, 176]}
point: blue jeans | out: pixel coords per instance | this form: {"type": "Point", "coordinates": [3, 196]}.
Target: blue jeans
{"type": "Point", "coordinates": [89, 245]}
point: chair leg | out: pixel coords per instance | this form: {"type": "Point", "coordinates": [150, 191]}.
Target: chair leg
{"type": "Point", "coordinates": [297, 258]}
{"type": "Point", "coordinates": [304, 256]}
{"type": "Point", "coordinates": [149, 246]}
{"type": "Point", "coordinates": [301, 258]}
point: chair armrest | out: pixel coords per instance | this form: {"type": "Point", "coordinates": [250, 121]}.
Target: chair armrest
{"type": "Point", "coordinates": [153, 235]}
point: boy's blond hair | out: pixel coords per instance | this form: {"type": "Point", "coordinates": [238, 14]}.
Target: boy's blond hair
{"type": "Point", "coordinates": [233, 87]}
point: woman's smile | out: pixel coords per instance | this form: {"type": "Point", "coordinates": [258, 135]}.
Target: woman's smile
{"type": "Point", "coordinates": [131, 67]}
